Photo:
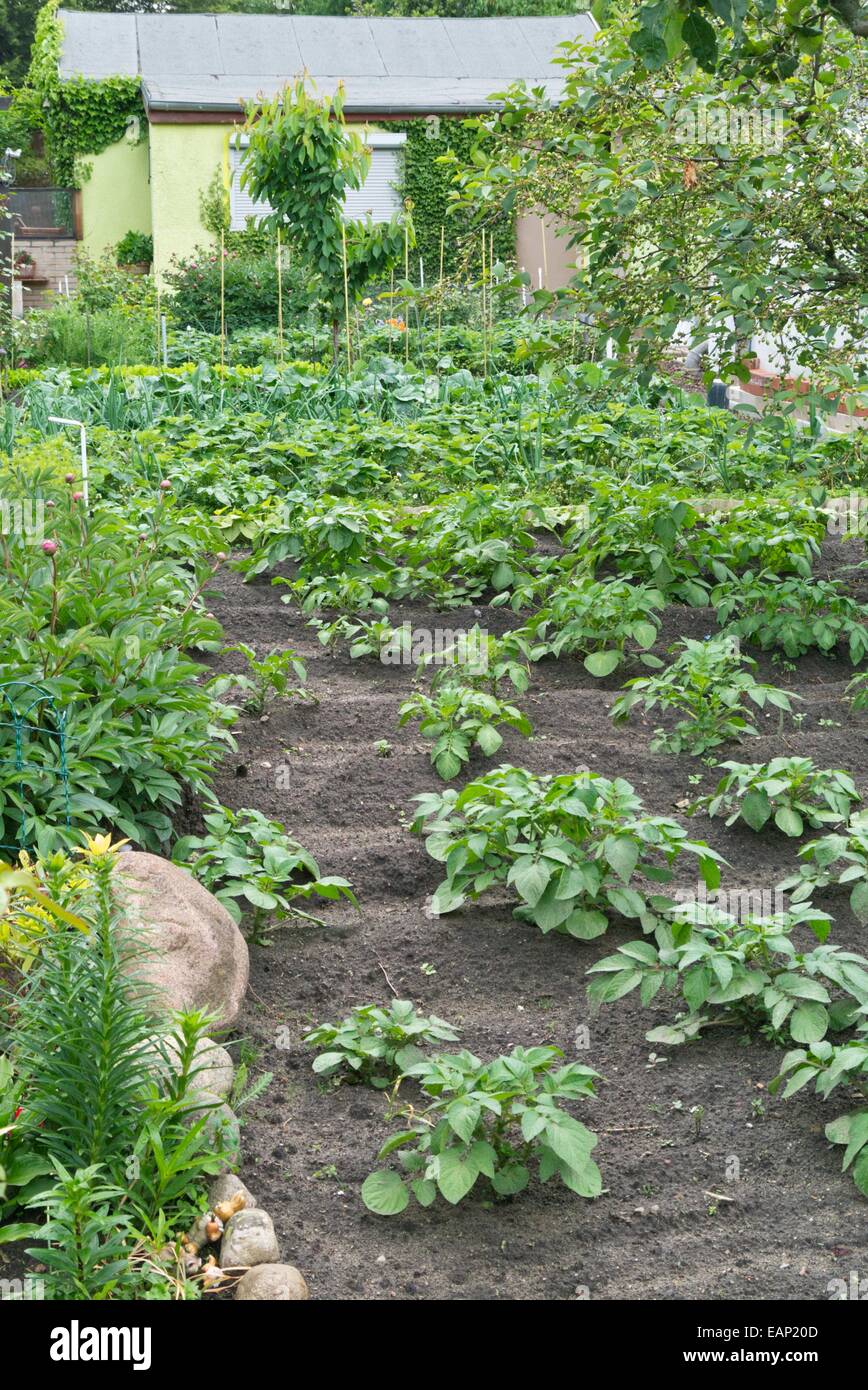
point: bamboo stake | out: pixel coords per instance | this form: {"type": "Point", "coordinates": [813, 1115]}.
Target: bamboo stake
{"type": "Point", "coordinates": [222, 305]}
{"type": "Point", "coordinates": [407, 282]}
{"type": "Point", "coordinates": [279, 298]}
{"type": "Point", "coordinates": [490, 295]}
{"type": "Point", "coordinates": [440, 288]}
{"type": "Point", "coordinates": [392, 309]}
{"type": "Point", "coordinates": [346, 296]}
{"type": "Point", "coordinates": [484, 338]}
{"type": "Point", "coordinates": [542, 227]}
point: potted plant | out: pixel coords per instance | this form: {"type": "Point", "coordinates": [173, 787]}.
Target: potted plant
{"type": "Point", "coordinates": [25, 266]}
{"type": "Point", "coordinates": [135, 252]}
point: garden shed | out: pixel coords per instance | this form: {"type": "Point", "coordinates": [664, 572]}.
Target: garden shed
{"type": "Point", "coordinates": [187, 78]}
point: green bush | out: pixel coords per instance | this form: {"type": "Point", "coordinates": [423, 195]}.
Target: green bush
{"type": "Point", "coordinates": [249, 287]}
{"type": "Point", "coordinates": [135, 248]}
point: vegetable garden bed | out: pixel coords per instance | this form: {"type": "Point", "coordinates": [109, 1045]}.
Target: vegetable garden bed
{"type": "Point", "coordinates": [670, 1223]}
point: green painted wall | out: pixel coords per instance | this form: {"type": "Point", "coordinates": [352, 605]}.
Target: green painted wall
{"type": "Point", "coordinates": [184, 159]}
{"type": "Point", "coordinates": [115, 199]}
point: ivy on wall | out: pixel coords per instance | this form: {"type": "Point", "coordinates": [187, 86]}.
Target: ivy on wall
{"type": "Point", "coordinates": [428, 184]}
{"type": "Point", "coordinates": [79, 117]}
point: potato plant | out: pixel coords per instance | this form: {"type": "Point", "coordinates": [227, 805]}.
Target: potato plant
{"type": "Point", "coordinates": [459, 719]}
{"type": "Point", "coordinates": [488, 1120]}
{"type": "Point", "coordinates": [265, 681]}
{"type": "Point", "coordinates": [794, 614]}
{"type": "Point", "coordinates": [574, 848]}
{"type": "Point", "coordinates": [245, 858]}
{"type": "Point", "coordinates": [749, 969]}
{"type": "Point", "coordinates": [794, 791]}
{"type": "Point", "coordinates": [828, 1065]}
{"type": "Point", "coordinates": [707, 683]}
{"type": "Point", "coordinates": [841, 859]}
{"type": "Point", "coordinates": [601, 620]}
{"type": "Point", "coordinates": [375, 1044]}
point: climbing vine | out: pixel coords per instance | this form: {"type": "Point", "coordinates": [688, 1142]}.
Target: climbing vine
{"type": "Point", "coordinates": [79, 117]}
{"type": "Point", "coordinates": [428, 184]}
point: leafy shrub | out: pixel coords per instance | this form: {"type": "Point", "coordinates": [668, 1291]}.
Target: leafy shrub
{"type": "Point", "coordinates": [793, 790]}
{"type": "Point", "coordinates": [98, 617]}
{"type": "Point", "coordinates": [93, 1055]}
{"type": "Point", "coordinates": [708, 684]}
{"type": "Point", "coordinates": [573, 847]}
{"type": "Point", "coordinates": [489, 1120]}
{"type": "Point", "coordinates": [599, 618]}
{"type": "Point", "coordinates": [828, 1066]}
{"type": "Point", "coordinates": [265, 682]}
{"type": "Point", "coordinates": [250, 290]}
{"type": "Point", "coordinates": [135, 248]}
{"type": "Point", "coordinates": [376, 1045]}
{"type": "Point", "coordinates": [22, 1169]}
{"type": "Point", "coordinates": [247, 856]}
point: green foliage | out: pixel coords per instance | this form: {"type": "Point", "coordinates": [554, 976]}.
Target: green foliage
{"type": "Point", "coordinates": [748, 968]}
{"type": "Point", "coordinates": [460, 718]}
{"type": "Point", "coordinates": [750, 38]}
{"type": "Point", "coordinates": [674, 219]}
{"type": "Point", "coordinates": [375, 1044]}
{"type": "Point", "coordinates": [106, 1085]}
{"type": "Point", "coordinates": [249, 290]}
{"type": "Point", "coordinates": [101, 616]}
{"type": "Point", "coordinates": [792, 613]}
{"type": "Point", "coordinates": [829, 1065]}
{"type": "Point", "coordinates": [301, 159]}
{"type": "Point", "coordinates": [840, 858]}
{"type": "Point", "coordinates": [792, 790]}
{"type": "Point", "coordinates": [488, 1120]}
{"type": "Point", "coordinates": [598, 618]}
{"type": "Point", "coordinates": [708, 684]}
{"type": "Point", "coordinates": [134, 248]}
{"type": "Point", "coordinates": [266, 682]}
{"type": "Point", "coordinates": [89, 1239]}
{"type": "Point", "coordinates": [22, 1168]}
{"type": "Point", "coordinates": [79, 117]}
{"type": "Point", "coordinates": [427, 184]}
{"type": "Point", "coordinates": [574, 848]}
{"type": "Point", "coordinates": [245, 856]}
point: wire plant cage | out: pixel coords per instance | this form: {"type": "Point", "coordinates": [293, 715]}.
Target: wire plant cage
{"type": "Point", "coordinates": [32, 748]}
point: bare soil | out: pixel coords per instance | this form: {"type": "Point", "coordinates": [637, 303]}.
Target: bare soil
{"type": "Point", "coordinates": [669, 1225]}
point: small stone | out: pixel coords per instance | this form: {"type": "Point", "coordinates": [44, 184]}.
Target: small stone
{"type": "Point", "coordinates": [214, 1069]}
{"type": "Point", "coordinates": [249, 1239]}
{"type": "Point", "coordinates": [276, 1283]}
{"type": "Point", "coordinates": [223, 1189]}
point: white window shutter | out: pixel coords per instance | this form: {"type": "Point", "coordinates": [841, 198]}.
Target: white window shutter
{"type": "Point", "coordinates": [378, 198]}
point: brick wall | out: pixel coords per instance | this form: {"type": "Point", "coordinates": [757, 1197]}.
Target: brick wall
{"type": "Point", "coordinates": [54, 260]}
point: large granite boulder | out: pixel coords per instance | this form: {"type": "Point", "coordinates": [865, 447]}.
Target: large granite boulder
{"type": "Point", "coordinates": [200, 958]}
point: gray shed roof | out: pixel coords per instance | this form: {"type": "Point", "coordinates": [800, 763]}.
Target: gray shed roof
{"type": "Point", "coordinates": [199, 62]}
